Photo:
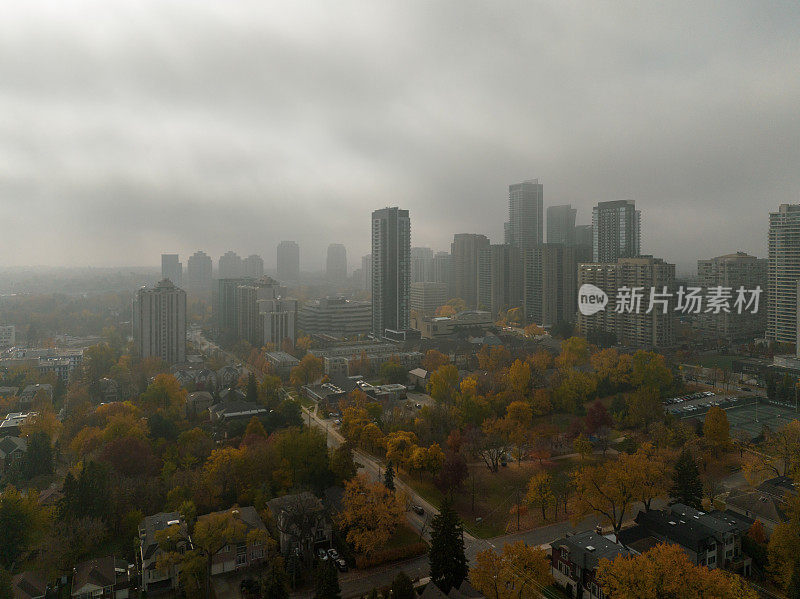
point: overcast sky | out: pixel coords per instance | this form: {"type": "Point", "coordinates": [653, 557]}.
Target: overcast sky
{"type": "Point", "coordinates": [131, 128]}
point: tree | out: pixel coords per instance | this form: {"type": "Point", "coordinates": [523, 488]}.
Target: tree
{"type": "Point", "coordinates": [687, 488]}
{"type": "Point", "coordinates": [6, 587]}
{"type": "Point", "coordinates": [402, 587]}
{"type": "Point", "coordinates": [493, 442]}
{"type": "Point", "coordinates": [597, 417]}
{"type": "Point", "coordinates": [393, 372]}
{"type": "Point", "coordinates": [274, 583]}
{"type": "Point", "coordinates": [309, 370]}
{"type": "Point", "coordinates": [443, 386]}
{"type": "Point", "coordinates": [716, 429]}
{"type": "Point", "coordinates": [165, 396]}
{"type": "Point", "coordinates": [434, 360]}
{"type": "Point", "coordinates": [448, 563]}
{"type": "Point", "coordinates": [540, 492]}
{"type": "Point", "coordinates": [22, 520]}
{"type": "Point", "coordinates": [784, 545]}
{"type": "Point", "coordinates": [519, 378]}
{"type": "Point", "coordinates": [39, 458]}
{"type": "Point", "coordinates": [644, 407]}
{"type": "Point", "coordinates": [453, 473]}
{"type": "Point", "coordinates": [649, 370]}
{"type": "Point", "coordinates": [326, 581]}
{"type": "Point", "coordinates": [519, 572]}
{"type": "Point", "coordinates": [606, 490]}
{"type": "Point", "coordinates": [251, 390]}
{"type": "Point", "coordinates": [582, 446]}
{"type": "Point", "coordinates": [370, 514]}
{"type": "Point", "coordinates": [342, 465]}
{"type": "Point", "coordinates": [388, 476]}
{"type": "Point", "coordinates": [665, 572]}
{"type": "Point", "coordinates": [574, 352]}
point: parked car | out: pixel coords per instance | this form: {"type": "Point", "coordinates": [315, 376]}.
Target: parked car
{"type": "Point", "coordinates": [418, 509]}
{"type": "Point", "coordinates": [333, 554]}
{"type": "Point", "coordinates": [322, 554]}
{"type": "Point", "coordinates": [341, 565]}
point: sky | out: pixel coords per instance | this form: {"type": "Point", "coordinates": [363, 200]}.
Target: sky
{"type": "Point", "coordinates": [131, 128]}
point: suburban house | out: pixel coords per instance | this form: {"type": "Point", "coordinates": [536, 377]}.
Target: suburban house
{"type": "Point", "coordinates": [575, 560]}
{"type": "Point", "coordinates": [12, 450]}
{"type": "Point", "coordinates": [102, 578]}
{"type": "Point", "coordinates": [234, 409]}
{"type": "Point", "coordinates": [302, 522]}
{"type": "Point", "coordinates": [109, 390]}
{"type": "Point", "coordinates": [31, 393]}
{"type": "Point", "coordinates": [419, 377]}
{"type": "Point", "coordinates": [153, 578]}
{"type": "Point", "coordinates": [13, 422]}
{"type": "Point", "coordinates": [28, 585]}
{"type": "Point", "coordinates": [198, 403]}
{"type": "Point", "coordinates": [767, 502]}
{"type": "Point", "coordinates": [710, 539]}
{"type": "Point", "coordinates": [249, 550]}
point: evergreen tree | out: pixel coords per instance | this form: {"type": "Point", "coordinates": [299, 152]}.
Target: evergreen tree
{"type": "Point", "coordinates": [687, 488]}
{"type": "Point", "coordinates": [326, 581]}
{"type": "Point", "coordinates": [447, 560]}
{"type": "Point", "coordinates": [274, 583]}
{"type": "Point", "coordinates": [388, 476]}
{"type": "Point", "coordinates": [402, 587]}
{"type": "Point", "coordinates": [6, 588]}
{"type": "Point", "coordinates": [251, 392]}
{"type": "Point", "coordinates": [39, 458]}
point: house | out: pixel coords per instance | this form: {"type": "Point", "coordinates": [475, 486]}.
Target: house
{"type": "Point", "coordinates": [8, 391]}
{"type": "Point", "coordinates": [302, 522]}
{"type": "Point", "coordinates": [767, 502]}
{"type": "Point", "coordinates": [326, 393]}
{"type": "Point", "coordinates": [244, 552]}
{"type": "Point", "coordinates": [109, 390]}
{"type": "Point", "coordinates": [38, 392]}
{"type": "Point", "coordinates": [198, 402]}
{"type": "Point", "coordinates": [575, 560]}
{"type": "Point", "coordinates": [13, 422]}
{"type": "Point", "coordinates": [28, 585]}
{"type": "Point", "coordinates": [228, 376]}
{"type": "Point", "coordinates": [155, 580]}
{"type": "Point", "coordinates": [12, 451]}
{"type": "Point", "coordinates": [419, 378]}
{"type": "Point", "coordinates": [102, 578]}
{"type": "Point", "coordinates": [710, 539]}
{"type": "Point", "coordinates": [282, 363]}
{"type": "Point", "coordinates": [235, 409]}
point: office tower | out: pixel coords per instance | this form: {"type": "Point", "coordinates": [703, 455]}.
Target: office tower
{"type": "Point", "coordinates": [336, 264]}
{"type": "Point", "coordinates": [366, 271]}
{"type": "Point", "coordinates": [335, 316]}
{"type": "Point", "coordinates": [427, 296]}
{"type": "Point", "coordinates": [783, 272]}
{"type": "Point", "coordinates": [225, 303]}
{"type": "Point", "coordinates": [421, 264]}
{"type": "Point", "coordinates": [443, 271]}
{"type": "Point", "coordinates": [248, 322]}
{"type": "Point", "coordinates": [499, 278]}
{"type": "Point", "coordinates": [615, 231]}
{"type": "Point", "coordinates": [278, 318]}
{"type": "Point", "coordinates": [288, 261]}
{"type": "Point", "coordinates": [391, 269]}
{"type": "Point", "coordinates": [634, 328]}
{"type": "Point", "coordinates": [734, 271]}
{"type": "Point", "coordinates": [253, 266]}
{"type": "Point", "coordinates": [159, 319]}
{"type": "Point", "coordinates": [198, 273]}
{"type": "Point", "coordinates": [525, 218]}
{"type": "Point", "coordinates": [8, 335]}
{"type": "Point", "coordinates": [172, 269]}
{"type": "Point", "coordinates": [561, 224]}
{"type": "Point", "coordinates": [584, 235]}
{"type": "Point", "coordinates": [236, 305]}
{"type": "Point", "coordinates": [550, 278]}
{"type": "Point", "coordinates": [465, 249]}
{"type": "Point", "coordinates": [230, 266]}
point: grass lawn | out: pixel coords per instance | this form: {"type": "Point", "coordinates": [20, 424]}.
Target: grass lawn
{"type": "Point", "coordinates": [723, 361]}
{"type": "Point", "coordinates": [405, 535]}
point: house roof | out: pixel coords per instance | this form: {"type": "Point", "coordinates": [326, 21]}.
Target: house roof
{"type": "Point", "coordinates": [236, 407]}
{"type": "Point", "coordinates": [468, 590]}
{"type": "Point", "coordinates": [761, 506]}
{"type": "Point", "coordinates": [432, 592]}
{"type": "Point", "coordinates": [28, 585]}
{"type": "Point", "coordinates": [287, 503]}
{"type": "Point", "coordinates": [151, 525]}
{"type": "Point", "coordinates": [685, 531]}
{"type": "Point", "coordinates": [10, 444]}
{"type": "Point", "coordinates": [247, 514]}
{"type": "Point", "coordinates": [778, 487]}
{"type": "Point", "coordinates": [419, 372]}
{"type": "Point", "coordinates": [98, 572]}
{"type": "Point", "coordinates": [587, 548]}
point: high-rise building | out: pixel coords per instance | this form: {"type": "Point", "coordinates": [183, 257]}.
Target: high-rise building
{"type": "Point", "coordinates": [465, 249]}
{"type": "Point", "coordinates": [733, 271]}
{"type": "Point", "coordinates": [248, 321]}
{"type": "Point", "coordinates": [253, 266]}
{"type": "Point", "coordinates": [366, 271]}
{"type": "Point", "coordinates": [336, 264]}
{"type": "Point", "coordinates": [783, 272]}
{"type": "Point", "coordinates": [584, 235]}
{"type": "Point", "coordinates": [499, 278]}
{"type": "Point", "coordinates": [443, 271]}
{"type": "Point", "coordinates": [561, 224]}
{"type": "Point", "coordinates": [635, 327]}
{"type": "Point", "coordinates": [288, 261]}
{"type": "Point", "coordinates": [550, 277]}
{"type": "Point", "coordinates": [228, 304]}
{"type": "Point", "coordinates": [427, 296]}
{"type": "Point", "coordinates": [8, 335]}
{"type": "Point", "coordinates": [230, 266]}
{"type": "Point", "coordinates": [525, 217]}
{"type": "Point", "coordinates": [391, 269]}
{"type": "Point", "coordinates": [278, 318]}
{"type": "Point", "coordinates": [615, 231]}
{"type": "Point", "coordinates": [335, 316]}
{"type": "Point", "coordinates": [159, 322]}
{"type": "Point", "coordinates": [198, 273]}
{"type": "Point", "coordinates": [172, 269]}
{"type": "Point", "coordinates": [421, 264]}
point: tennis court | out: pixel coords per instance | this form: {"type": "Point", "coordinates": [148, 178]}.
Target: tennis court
{"type": "Point", "coordinates": [751, 417]}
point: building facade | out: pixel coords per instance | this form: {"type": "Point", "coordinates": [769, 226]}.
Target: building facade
{"type": "Point", "coordinates": [172, 269]}
{"type": "Point", "coordinates": [465, 250]}
{"type": "Point", "coordinates": [426, 297]}
{"type": "Point", "coordinates": [288, 261]}
{"type": "Point", "coordinates": [253, 266]}
{"type": "Point", "coordinates": [159, 322]}
{"type": "Point", "coordinates": [561, 224]}
{"type": "Point", "coordinates": [615, 231]}
{"type": "Point", "coordinates": [337, 316]}
{"type": "Point", "coordinates": [500, 278]}
{"type": "Point", "coordinates": [421, 264]}
{"type": "Point", "coordinates": [783, 273]}
{"type": "Point", "coordinates": [525, 214]}
{"type": "Point", "coordinates": [199, 268]}
{"type": "Point", "coordinates": [8, 335]}
{"type": "Point", "coordinates": [336, 263]}
{"type": "Point", "coordinates": [391, 269]}
{"type": "Point", "coordinates": [278, 319]}
{"type": "Point", "coordinates": [550, 277]}
{"type": "Point", "coordinates": [230, 266]}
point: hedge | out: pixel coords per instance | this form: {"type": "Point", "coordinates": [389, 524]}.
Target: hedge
{"type": "Point", "coordinates": [390, 555]}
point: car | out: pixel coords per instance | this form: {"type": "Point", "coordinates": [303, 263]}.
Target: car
{"type": "Point", "coordinates": [418, 406]}
{"type": "Point", "coordinates": [333, 554]}
{"type": "Point", "coordinates": [337, 422]}
{"type": "Point", "coordinates": [322, 554]}
{"type": "Point", "coordinates": [418, 509]}
{"type": "Point", "coordinates": [341, 565]}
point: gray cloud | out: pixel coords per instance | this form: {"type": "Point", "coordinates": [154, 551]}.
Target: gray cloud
{"type": "Point", "coordinates": [135, 127]}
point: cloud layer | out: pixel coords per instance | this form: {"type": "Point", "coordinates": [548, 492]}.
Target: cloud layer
{"type": "Point", "coordinates": [129, 128]}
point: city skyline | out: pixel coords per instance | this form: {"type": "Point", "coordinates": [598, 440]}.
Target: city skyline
{"type": "Point", "coordinates": [689, 115]}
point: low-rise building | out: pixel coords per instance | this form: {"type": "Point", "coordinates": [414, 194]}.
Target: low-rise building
{"type": "Point", "coordinates": [437, 327]}
{"type": "Point", "coordinates": [281, 362]}
{"type": "Point", "coordinates": [246, 551]}
{"type": "Point", "coordinates": [198, 402]}
{"type": "Point", "coordinates": [335, 316]}
{"type": "Point", "coordinates": [235, 409]}
{"type": "Point", "coordinates": [767, 502]}
{"type": "Point", "coordinates": [29, 585]}
{"type": "Point", "coordinates": [12, 452]}
{"type": "Point", "coordinates": [575, 560]}
{"type": "Point", "coordinates": [103, 578]}
{"type": "Point", "coordinates": [13, 422]}
{"type": "Point", "coordinates": [8, 335]}
{"type": "Point", "coordinates": [302, 522]}
{"type": "Point", "coordinates": [155, 579]}
{"type": "Point", "coordinates": [40, 392]}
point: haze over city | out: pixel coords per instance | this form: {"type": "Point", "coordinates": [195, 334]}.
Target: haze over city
{"type": "Point", "coordinates": [128, 129]}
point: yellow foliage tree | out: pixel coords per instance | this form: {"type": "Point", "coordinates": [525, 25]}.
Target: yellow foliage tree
{"type": "Point", "coordinates": [519, 572]}
{"type": "Point", "coordinates": [370, 514]}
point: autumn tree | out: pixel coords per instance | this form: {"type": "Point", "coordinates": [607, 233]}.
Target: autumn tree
{"type": "Point", "coordinates": [665, 572]}
{"type": "Point", "coordinates": [606, 490]}
{"type": "Point", "coordinates": [402, 587]}
{"type": "Point", "coordinates": [582, 446]}
{"type": "Point", "coordinates": [574, 352]}
{"type": "Point", "coordinates": [518, 379]}
{"type": "Point", "coordinates": [716, 428]}
{"type": "Point", "coordinates": [443, 385]}
{"type": "Point", "coordinates": [540, 492]}
{"type": "Point", "coordinates": [22, 521]}
{"type": "Point", "coordinates": [784, 544]}
{"type": "Point", "coordinates": [434, 360]}
{"type": "Point", "coordinates": [371, 514]}
{"type": "Point", "coordinates": [597, 417]}
{"type": "Point", "coordinates": [453, 472]}
{"type": "Point", "coordinates": [520, 571]}
{"type": "Point", "coordinates": [307, 371]}
{"type": "Point", "coordinates": [573, 390]}
{"type": "Point", "coordinates": [164, 395]}
{"type": "Point", "coordinates": [493, 442]}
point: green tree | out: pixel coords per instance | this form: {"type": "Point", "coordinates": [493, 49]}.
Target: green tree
{"type": "Point", "coordinates": [22, 520]}
{"type": "Point", "coordinates": [448, 563]}
{"type": "Point", "coordinates": [39, 458]}
{"type": "Point", "coordinates": [326, 581]}
{"type": "Point", "coordinates": [402, 587]}
{"type": "Point", "coordinates": [6, 589]}
{"type": "Point", "coordinates": [388, 476]}
{"type": "Point", "coordinates": [687, 488]}
{"type": "Point", "coordinates": [251, 390]}
{"type": "Point", "coordinates": [393, 372]}
{"type": "Point", "coordinates": [274, 582]}
{"type": "Point", "coordinates": [342, 465]}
